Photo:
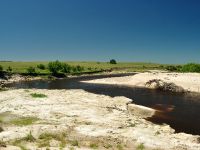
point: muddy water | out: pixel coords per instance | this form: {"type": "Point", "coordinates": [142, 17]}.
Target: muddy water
{"type": "Point", "coordinates": [181, 111]}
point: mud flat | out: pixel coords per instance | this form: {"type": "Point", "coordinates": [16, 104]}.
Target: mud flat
{"type": "Point", "coordinates": [176, 81]}
{"type": "Point", "coordinates": [76, 119]}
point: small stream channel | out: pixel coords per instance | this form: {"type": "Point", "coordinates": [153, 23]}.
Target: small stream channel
{"type": "Point", "coordinates": [180, 110]}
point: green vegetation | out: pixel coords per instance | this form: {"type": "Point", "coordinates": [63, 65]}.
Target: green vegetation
{"type": "Point", "coordinates": [10, 119]}
{"type": "Point", "coordinates": [23, 121]}
{"type": "Point", "coordinates": [1, 68]}
{"type": "Point", "coordinates": [2, 144]}
{"type": "Point", "coordinates": [119, 147]}
{"type": "Point", "coordinates": [74, 143]}
{"type": "Point", "coordinates": [19, 143]}
{"type": "Point", "coordinates": [55, 67]}
{"type": "Point", "coordinates": [21, 67]}
{"type": "Point", "coordinates": [140, 147]}
{"type": "Point", "coordinates": [108, 146]}
{"type": "Point", "coordinates": [31, 70]}
{"type": "Point", "coordinates": [45, 138]}
{"type": "Point", "coordinates": [38, 95]}
{"type": "Point", "coordinates": [190, 67]}
{"type": "Point", "coordinates": [113, 61]}
{"type": "Point", "coordinates": [66, 68]}
{"type": "Point", "coordinates": [94, 146]}
{"type": "Point", "coordinates": [41, 66]}
{"type": "Point", "coordinates": [29, 138]}
{"type": "Point", "coordinates": [9, 69]}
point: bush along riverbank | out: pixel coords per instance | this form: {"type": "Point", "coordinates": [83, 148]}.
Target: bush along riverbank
{"type": "Point", "coordinates": [190, 67]}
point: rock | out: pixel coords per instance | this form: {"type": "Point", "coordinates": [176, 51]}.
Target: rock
{"type": "Point", "coordinates": [143, 112]}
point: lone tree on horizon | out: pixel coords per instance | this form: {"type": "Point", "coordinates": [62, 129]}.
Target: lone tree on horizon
{"type": "Point", "coordinates": [113, 61]}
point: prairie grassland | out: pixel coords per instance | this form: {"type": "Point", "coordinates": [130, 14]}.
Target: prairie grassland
{"type": "Point", "coordinates": [21, 67]}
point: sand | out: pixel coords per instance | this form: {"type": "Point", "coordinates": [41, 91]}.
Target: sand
{"type": "Point", "coordinates": [188, 81]}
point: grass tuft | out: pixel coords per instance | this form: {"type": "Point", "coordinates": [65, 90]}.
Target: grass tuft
{"type": "Point", "coordinates": [119, 147]}
{"type": "Point", "coordinates": [45, 138]}
{"type": "Point", "coordinates": [108, 146]}
{"type": "Point", "coordinates": [23, 121]}
{"type": "Point", "coordinates": [38, 95]}
{"type": "Point", "coordinates": [74, 143]}
{"type": "Point", "coordinates": [93, 146]}
{"type": "Point", "coordinates": [141, 147]}
{"type": "Point", "coordinates": [2, 144]}
{"type": "Point", "coordinates": [29, 138]}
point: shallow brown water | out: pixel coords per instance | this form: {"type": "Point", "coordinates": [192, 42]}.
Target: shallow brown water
{"type": "Point", "coordinates": [180, 110]}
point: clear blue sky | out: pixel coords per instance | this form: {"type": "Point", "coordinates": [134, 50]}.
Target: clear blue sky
{"type": "Point", "coordinates": [165, 31]}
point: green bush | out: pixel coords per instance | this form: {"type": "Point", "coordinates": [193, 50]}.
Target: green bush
{"type": "Point", "coordinates": [41, 66]}
{"type": "Point", "coordinates": [66, 68]}
{"type": "Point", "coordinates": [9, 69]}
{"type": "Point", "coordinates": [113, 61]}
{"type": "Point", "coordinates": [31, 70]}
{"type": "Point", "coordinates": [78, 68]}
{"type": "Point", "coordinates": [174, 68]}
{"type": "Point", "coordinates": [55, 67]}
{"type": "Point", "coordinates": [171, 68]}
{"type": "Point", "coordinates": [191, 67]}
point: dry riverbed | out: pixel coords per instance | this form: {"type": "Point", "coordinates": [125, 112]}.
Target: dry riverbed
{"type": "Point", "coordinates": [75, 119]}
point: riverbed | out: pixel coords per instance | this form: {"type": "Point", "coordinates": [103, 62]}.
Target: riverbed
{"type": "Point", "coordinates": [105, 113]}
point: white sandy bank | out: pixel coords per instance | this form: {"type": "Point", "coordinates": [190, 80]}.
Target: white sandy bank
{"type": "Point", "coordinates": [188, 81]}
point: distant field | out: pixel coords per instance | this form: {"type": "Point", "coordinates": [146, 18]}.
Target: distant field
{"type": "Point", "coordinates": [20, 67]}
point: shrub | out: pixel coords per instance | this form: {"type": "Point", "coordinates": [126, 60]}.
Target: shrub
{"type": "Point", "coordinates": [66, 68]}
{"type": "Point", "coordinates": [31, 70]}
{"type": "Point", "coordinates": [191, 67]}
{"type": "Point", "coordinates": [55, 67]}
{"type": "Point", "coordinates": [113, 61]}
{"type": "Point", "coordinates": [171, 68]}
{"type": "Point", "coordinates": [9, 69]}
{"type": "Point", "coordinates": [77, 69]}
{"type": "Point", "coordinates": [89, 68]}
{"type": "Point", "coordinates": [41, 66]}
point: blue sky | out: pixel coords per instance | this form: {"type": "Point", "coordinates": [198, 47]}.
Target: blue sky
{"type": "Point", "coordinates": [165, 31]}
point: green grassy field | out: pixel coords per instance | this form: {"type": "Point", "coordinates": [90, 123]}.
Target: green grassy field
{"type": "Point", "coordinates": [20, 67]}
